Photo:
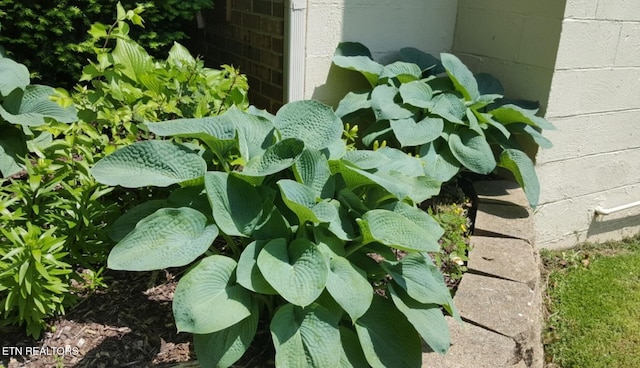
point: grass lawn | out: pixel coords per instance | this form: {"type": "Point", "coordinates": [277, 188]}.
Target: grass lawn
{"type": "Point", "coordinates": [593, 303]}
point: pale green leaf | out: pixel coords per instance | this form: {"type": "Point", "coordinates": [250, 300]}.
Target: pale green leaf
{"type": "Point", "coordinates": [427, 319]}
{"type": "Point", "coordinates": [249, 274]}
{"type": "Point", "coordinates": [507, 114]}
{"type": "Point", "coordinates": [310, 121]}
{"type": "Point", "coordinates": [349, 286]}
{"type": "Point", "coordinates": [420, 278]}
{"type": "Point", "coordinates": [236, 204]}
{"type": "Point", "coordinates": [305, 337]}
{"type": "Point", "coordinates": [180, 56]}
{"type": "Point", "coordinates": [395, 230]}
{"type": "Point", "coordinates": [356, 56]}
{"type": "Point", "coordinates": [225, 347]}
{"type": "Point", "coordinates": [473, 151]}
{"type": "Point", "coordinates": [170, 237]}
{"type": "Point", "coordinates": [207, 298]}
{"type": "Point", "coordinates": [158, 163]}
{"type": "Point", "coordinates": [312, 170]}
{"type": "Point", "coordinates": [523, 170]}
{"type": "Point", "coordinates": [352, 102]}
{"type": "Point", "coordinates": [462, 78]}
{"type": "Point", "coordinates": [13, 148]}
{"type": "Point", "coordinates": [30, 107]}
{"type": "Point", "coordinates": [276, 158]}
{"type": "Point", "coordinates": [387, 338]}
{"type": "Point", "coordinates": [449, 107]}
{"type": "Point", "coordinates": [384, 105]}
{"type": "Point", "coordinates": [131, 58]}
{"type": "Point", "coordinates": [405, 72]}
{"type": "Point", "coordinates": [298, 271]}
{"type": "Point", "coordinates": [439, 163]}
{"type": "Point", "coordinates": [351, 355]}
{"type": "Point", "coordinates": [13, 75]}
{"type": "Point", "coordinates": [417, 93]}
{"type": "Point", "coordinates": [409, 133]}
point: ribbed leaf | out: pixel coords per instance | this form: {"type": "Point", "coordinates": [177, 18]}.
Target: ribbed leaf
{"type": "Point", "coordinates": [427, 319]}
{"type": "Point", "coordinates": [418, 217]}
{"type": "Point", "coordinates": [356, 56]}
{"type": "Point", "coordinates": [179, 55]}
{"type": "Point", "coordinates": [275, 158]}
{"type": "Point", "coordinates": [310, 121]}
{"type": "Point", "coordinates": [13, 147]}
{"type": "Point", "coordinates": [384, 105]}
{"type": "Point", "coordinates": [349, 286]}
{"type": "Point", "coordinates": [158, 163]}
{"type": "Point", "coordinates": [507, 114]}
{"type": "Point", "coordinates": [420, 278]}
{"type": "Point", "coordinates": [312, 170]}
{"type": "Point", "coordinates": [351, 355]}
{"type": "Point", "coordinates": [439, 163]}
{"type": "Point", "coordinates": [524, 172]}
{"type": "Point", "coordinates": [170, 237]}
{"type": "Point", "coordinates": [417, 93]}
{"type": "Point", "coordinates": [462, 78]}
{"type": "Point", "coordinates": [30, 107]}
{"type": "Point", "coordinates": [387, 338]}
{"type": "Point", "coordinates": [422, 59]}
{"type": "Point", "coordinates": [405, 72]}
{"type": "Point", "coordinates": [207, 298]}
{"type": "Point", "coordinates": [298, 271]}
{"type": "Point", "coordinates": [225, 347]}
{"type": "Point", "coordinates": [473, 151]}
{"type": "Point", "coordinates": [131, 57]}
{"type": "Point", "coordinates": [12, 75]}
{"type": "Point", "coordinates": [306, 337]}
{"type": "Point", "coordinates": [409, 133]}
{"type": "Point", "coordinates": [395, 230]}
{"type": "Point", "coordinates": [449, 107]}
{"type": "Point", "coordinates": [249, 274]}
{"type": "Point", "coordinates": [236, 204]}
{"type": "Point", "coordinates": [300, 199]}
{"type": "Point", "coordinates": [352, 102]}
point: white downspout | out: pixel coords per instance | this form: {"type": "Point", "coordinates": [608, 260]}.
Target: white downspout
{"type": "Point", "coordinates": [607, 211]}
{"type": "Point", "coordinates": [294, 55]}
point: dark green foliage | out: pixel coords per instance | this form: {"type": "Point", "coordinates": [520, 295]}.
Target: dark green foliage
{"type": "Point", "coordinates": [49, 35]}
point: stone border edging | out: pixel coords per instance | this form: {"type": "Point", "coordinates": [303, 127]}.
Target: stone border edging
{"type": "Point", "coordinates": [499, 298]}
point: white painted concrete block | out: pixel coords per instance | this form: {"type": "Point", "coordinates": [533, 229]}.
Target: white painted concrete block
{"type": "Point", "coordinates": [583, 9]}
{"type": "Point", "coordinates": [587, 44]}
{"type": "Point", "coordinates": [587, 91]}
{"type": "Point", "coordinates": [540, 39]}
{"type": "Point", "coordinates": [561, 180]}
{"type": "Point", "coordinates": [628, 52]}
{"type": "Point", "coordinates": [566, 223]}
{"type": "Point", "coordinates": [618, 9]}
{"type": "Point", "coordinates": [585, 135]}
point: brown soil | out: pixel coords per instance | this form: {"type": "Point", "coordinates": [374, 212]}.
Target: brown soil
{"type": "Point", "coordinates": [130, 324]}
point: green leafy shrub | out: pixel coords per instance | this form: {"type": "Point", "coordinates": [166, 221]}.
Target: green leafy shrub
{"type": "Point", "coordinates": [439, 110]}
{"type": "Point", "coordinates": [51, 35]}
{"type": "Point", "coordinates": [286, 225]}
{"type": "Point", "coordinates": [126, 86]}
{"type": "Point", "coordinates": [34, 278]}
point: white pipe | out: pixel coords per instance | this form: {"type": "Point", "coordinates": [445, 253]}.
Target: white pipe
{"type": "Point", "coordinates": [294, 62]}
{"type": "Point", "coordinates": [607, 211]}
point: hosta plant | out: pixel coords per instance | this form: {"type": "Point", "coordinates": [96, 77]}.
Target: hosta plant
{"type": "Point", "coordinates": [279, 222]}
{"type": "Point", "coordinates": [23, 108]}
{"type": "Point", "coordinates": [441, 111]}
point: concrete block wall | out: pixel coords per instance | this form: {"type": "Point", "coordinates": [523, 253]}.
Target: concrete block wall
{"type": "Point", "coordinates": [593, 102]}
{"type": "Point", "coordinates": [248, 34]}
{"type": "Point", "coordinates": [384, 26]}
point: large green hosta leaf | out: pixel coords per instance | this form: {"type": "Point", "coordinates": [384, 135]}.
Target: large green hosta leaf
{"type": "Point", "coordinates": [387, 338]}
{"type": "Point", "coordinates": [298, 271]}
{"type": "Point", "coordinates": [158, 163]}
{"type": "Point", "coordinates": [507, 114]}
{"type": "Point", "coordinates": [356, 56]}
{"type": "Point", "coordinates": [473, 151]}
{"type": "Point", "coordinates": [405, 72]}
{"type": "Point", "coordinates": [208, 299]}
{"type": "Point", "coordinates": [275, 158]}
{"type": "Point", "coordinates": [352, 102]}
{"type": "Point", "coordinates": [170, 237]}
{"type": "Point", "coordinates": [439, 163]}
{"type": "Point", "coordinates": [427, 319]}
{"type": "Point", "coordinates": [236, 204]}
{"type": "Point", "coordinates": [13, 148]}
{"type": "Point", "coordinates": [225, 347]}
{"type": "Point", "coordinates": [462, 78]}
{"type": "Point", "coordinates": [524, 172]}
{"type": "Point", "coordinates": [305, 337]}
{"type": "Point", "coordinates": [411, 133]}
{"type": "Point", "coordinates": [12, 75]}
{"type": "Point", "coordinates": [312, 169]}
{"type": "Point", "coordinates": [417, 93]}
{"type": "Point", "coordinates": [395, 230]}
{"type": "Point", "coordinates": [249, 274]}
{"type": "Point", "coordinates": [310, 121]}
{"type": "Point", "coordinates": [384, 105]}
{"type": "Point", "coordinates": [30, 107]}
{"type": "Point", "coordinates": [349, 286]}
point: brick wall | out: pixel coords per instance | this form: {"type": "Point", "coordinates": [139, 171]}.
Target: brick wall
{"type": "Point", "coordinates": [248, 34]}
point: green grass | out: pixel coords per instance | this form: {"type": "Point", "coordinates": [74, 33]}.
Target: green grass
{"type": "Point", "coordinates": [593, 302]}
